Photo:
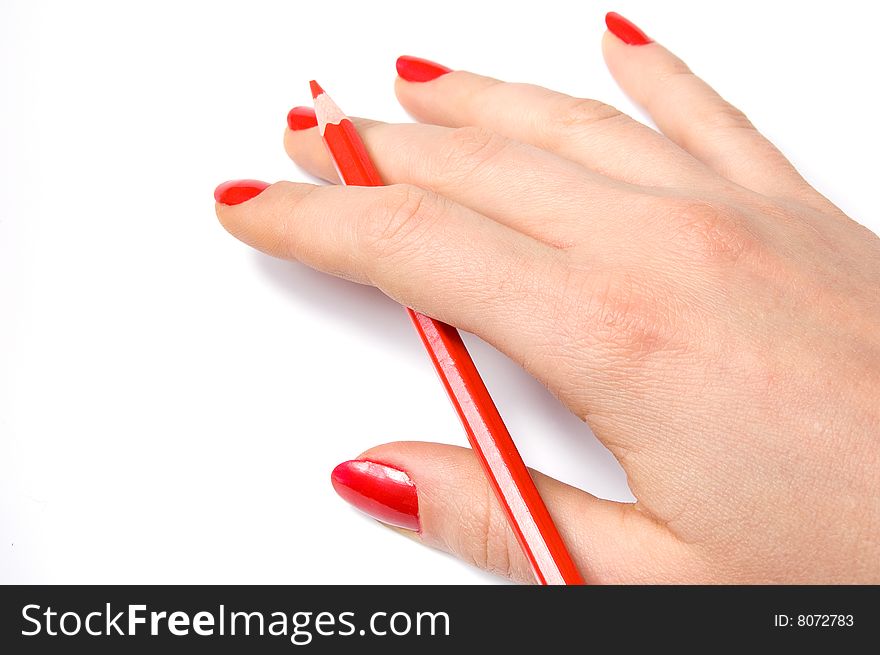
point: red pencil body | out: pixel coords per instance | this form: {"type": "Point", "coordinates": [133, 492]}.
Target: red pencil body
{"type": "Point", "coordinates": [486, 432]}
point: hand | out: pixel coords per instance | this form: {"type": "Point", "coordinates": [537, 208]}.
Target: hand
{"type": "Point", "coordinates": [713, 318]}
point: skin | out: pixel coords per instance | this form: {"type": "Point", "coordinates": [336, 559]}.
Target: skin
{"type": "Point", "coordinates": [712, 317]}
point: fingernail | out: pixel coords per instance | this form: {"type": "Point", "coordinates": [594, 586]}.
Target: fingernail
{"type": "Point", "coordinates": [625, 30]}
{"type": "Point", "coordinates": [236, 192]}
{"type": "Point", "coordinates": [301, 118]}
{"type": "Point", "coordinates": [381, 491]}
{"type": "Point", "coordinates": [415, 69]}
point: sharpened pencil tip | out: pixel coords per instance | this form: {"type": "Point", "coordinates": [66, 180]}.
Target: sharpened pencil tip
{"type": "Point", "coordinates": [316, 89]}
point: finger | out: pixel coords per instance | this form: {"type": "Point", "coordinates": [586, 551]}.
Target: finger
{"type": "Point", "coordinates": [585, 131]}
{"type": "Point", "coordinates": [439, 495]}
{"type": "Point", "coordinates": [494, 175]}
{"type": "Point", "coordinates": [303, 138]}
{"type": "Point", "coordinates": [693, 115]}
{"type": "Point", "coordinates": [424, 251]}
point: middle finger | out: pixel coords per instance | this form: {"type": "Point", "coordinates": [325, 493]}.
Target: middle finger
{"type": "Point", "coordinates": [531, 190]}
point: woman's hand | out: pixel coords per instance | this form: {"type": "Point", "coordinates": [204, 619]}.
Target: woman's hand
{"type": "Point", "coordinates": [713, 318]}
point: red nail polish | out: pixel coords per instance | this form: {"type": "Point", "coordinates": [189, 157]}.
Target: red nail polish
{"type": "Point", "coordinates": [625, 30]}
{"type": "Point", "coordinates": [414, 69]}
{"type": "Point", "coordinates": [384, 492]}
{"type": "Point", "coordinates": [301, 118]}
{"type": "Point", "coordinates": [235, 192]}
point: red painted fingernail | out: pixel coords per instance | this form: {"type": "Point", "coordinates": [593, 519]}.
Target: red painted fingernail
{"type": "Point", "coordinates": [415, 69]}
{"type": "Point", "coordinates": [235, 192]}
{"type": "Point", "coordinates": [384, 492]}
{"type": "Point", "coordinates": [301, 118]}
{"type": "Point", "coordinates": [625, 30]}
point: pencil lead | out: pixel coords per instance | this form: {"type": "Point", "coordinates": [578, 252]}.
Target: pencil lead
{"type": "Point", "coordinates": [316, 89]}
{"type": "Point", "coordinates": [326, 110]}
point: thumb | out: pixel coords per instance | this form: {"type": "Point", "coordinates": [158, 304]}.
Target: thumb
{"type": "Point", "coordinates": [438, 495]}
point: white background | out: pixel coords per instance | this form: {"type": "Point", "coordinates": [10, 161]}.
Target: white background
{"type": "Point", "coordinates": [172, 402]}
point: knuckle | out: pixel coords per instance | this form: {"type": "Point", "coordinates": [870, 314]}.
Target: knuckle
{"type": "Point", "coordinates": [627, 318]}
{"type": "Point", "coordinates": [714, 114]}
{"type": "Point", "coordinates": [294, 194]}
{"type": "Point", "coordinates": [395, 222]}
{"type": "Point", "coordinates": [583, 112]}
{"type": "Point", "coordinates": [472, 148]}
{"type": "Point", "coordinates": [721, 115]}
{"type": "Point", "coordinates": [284, 239]}
{"type": "Point", "coordinates": [675, 72]}
{"type": "Point", "coordinates": [491, 542]}
{"type": "Point", "coordinates": [709, 232]}
{"type": "Point", "coordinates": [622, 313]}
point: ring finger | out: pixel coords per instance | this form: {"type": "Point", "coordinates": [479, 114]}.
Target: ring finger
{"type": "Point", "coordinates": [582, 130]}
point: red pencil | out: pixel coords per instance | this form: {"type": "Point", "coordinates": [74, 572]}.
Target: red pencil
{"type": "Point", "coordinates": [487, 434]}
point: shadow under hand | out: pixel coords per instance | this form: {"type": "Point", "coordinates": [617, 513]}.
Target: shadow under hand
{"type": "Point", "coordinates": [549, 437]}
{"type": "Point", "coordinates": [362, 306]}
